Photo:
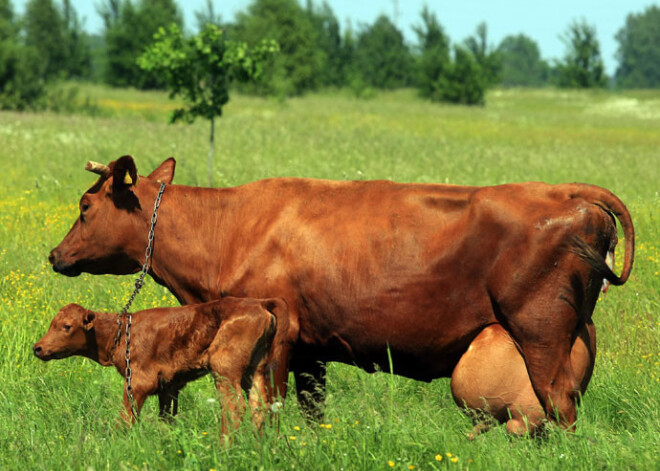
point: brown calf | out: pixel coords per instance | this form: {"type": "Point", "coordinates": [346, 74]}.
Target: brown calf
{"type": "Point", "coordinates": [491, 380]}
{"type": "Point", "coordinates": [230, 337]}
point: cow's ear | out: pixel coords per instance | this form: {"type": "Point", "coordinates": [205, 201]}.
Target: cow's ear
{"type": "Point", "coordinates": [124, 174]}
{"type": "Point", "coordinates": [164, 172]}
{"type": "Point", "coordinates": [88, 320]}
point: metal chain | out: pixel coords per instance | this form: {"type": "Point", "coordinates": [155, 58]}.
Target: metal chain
{"type": "Point", "coordinates": [138, 286]}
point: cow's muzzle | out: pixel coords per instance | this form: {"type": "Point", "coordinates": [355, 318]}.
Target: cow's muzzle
{"type": "Point", "coordinates": [62, 268]}
{"type": "Point", "coordinates": [39, 352]}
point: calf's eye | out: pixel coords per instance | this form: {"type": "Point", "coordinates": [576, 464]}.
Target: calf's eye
{"type": "Point", "coordinates": [67, 328]}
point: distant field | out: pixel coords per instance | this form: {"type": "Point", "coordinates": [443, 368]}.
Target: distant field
{"type": "Point", "coordinates": [63, 415]}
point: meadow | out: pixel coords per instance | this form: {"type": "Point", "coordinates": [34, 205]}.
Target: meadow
{"type": "Point", "coordinates": [63, 414]}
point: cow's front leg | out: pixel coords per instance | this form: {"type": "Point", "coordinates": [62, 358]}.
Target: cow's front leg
{"type": "Point", "coordinates": [310, 388]}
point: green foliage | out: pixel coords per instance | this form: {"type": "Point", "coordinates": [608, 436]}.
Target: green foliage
{"type": "Point", "coordinates": [434, 61]}
{"type": "Point", "coordinates": [298, 67]}
{"type": "Point", "coordinates": [200, 68]}
{"type": "Point", "coordinates": [21, 84]}
{"type": "Point", "coordinates": [521, 62]}
{"type": "Point", "coordinates": [488, 58]}
{"type": "Point", "coordinates": [207, 15]}
{"type": "Point", "coordinates": [465, 83]}
{"type": "Point", "coordinates": [582, 66]}
{"type": "Point", "coordinates": [57, 37]}
{"type": "Point", "coordinates": [129, 29]}
{"type": "Point", "coordinates": [458, 79]}
{"type": "Point", "coordinates": [329, 41]}
{"type": "Point", "coordinates": [76, 44]}
{"type": "Point", "coordinates": [381, 56]}
{"type": "Point", "coordinates": [639, 50]}
{"type": "Point", "coordinates": [44, 32]}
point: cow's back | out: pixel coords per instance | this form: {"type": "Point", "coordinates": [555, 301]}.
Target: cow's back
{"type": "Point", "coordinates": [367, 266]}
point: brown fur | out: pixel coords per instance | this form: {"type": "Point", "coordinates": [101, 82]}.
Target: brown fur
{"type": "Point", "coordinates": [170, 347]}
{"type": "Point", "coordinates": [372, 269]}
{"type": "Point", "coordinates": [491, 381]}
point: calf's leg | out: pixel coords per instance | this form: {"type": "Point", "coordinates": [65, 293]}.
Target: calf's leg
{"type": "Point", "coordinates": [237, 356]}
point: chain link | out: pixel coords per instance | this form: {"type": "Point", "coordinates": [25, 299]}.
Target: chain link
{"type": "Point", "coordinates": [139, 282]}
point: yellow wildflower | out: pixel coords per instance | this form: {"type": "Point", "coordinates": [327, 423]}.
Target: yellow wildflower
{"type": "Point", "coordinates": [391, 463]}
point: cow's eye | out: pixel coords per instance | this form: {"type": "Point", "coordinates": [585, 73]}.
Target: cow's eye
{"type": "Point", "coordinates": [67, 327]}
{"type": "Point", "coordinates": [83, 209]}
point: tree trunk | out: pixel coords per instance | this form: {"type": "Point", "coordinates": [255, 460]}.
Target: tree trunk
{"type": "Point", "coordinates": [211, 152]}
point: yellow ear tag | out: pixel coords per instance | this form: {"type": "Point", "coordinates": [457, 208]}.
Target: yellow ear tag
{"type": "Point", "coordinates": [127, 179]}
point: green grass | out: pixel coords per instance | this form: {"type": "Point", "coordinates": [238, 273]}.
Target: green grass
{"type": "Point", "coordinates": [63, 414]}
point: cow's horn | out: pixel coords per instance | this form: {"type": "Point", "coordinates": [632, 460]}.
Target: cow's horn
{"type": "Point", "coordinates": [97, 168]}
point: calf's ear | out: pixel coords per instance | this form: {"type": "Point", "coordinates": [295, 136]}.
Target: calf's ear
{"type": "Point", "coordinates": [88, 320]}
{"type": "Point", "coordinates": [164, 172]}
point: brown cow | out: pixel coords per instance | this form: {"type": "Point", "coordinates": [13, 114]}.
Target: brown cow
{"type": "Point", "coordinates": [230, 337]}
{"type": "Point", "coordinates": [491, 381]}
{"type": "Point", "coordinates": [368, 266]}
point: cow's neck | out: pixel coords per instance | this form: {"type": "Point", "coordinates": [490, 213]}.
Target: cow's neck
{"type": "Point", "coordinates": [187, 241]}
{"type": "Point", "coordinates": [101, 339]}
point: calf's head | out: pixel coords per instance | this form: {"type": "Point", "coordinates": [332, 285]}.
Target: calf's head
{"type": "Point", "coordinates": [111, 231]}
{"type": "Point", "coordinates": [69, 334]}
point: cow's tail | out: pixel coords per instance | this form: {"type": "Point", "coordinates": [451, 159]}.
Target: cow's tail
{"type": "Point", "coordinates": [609, 202]}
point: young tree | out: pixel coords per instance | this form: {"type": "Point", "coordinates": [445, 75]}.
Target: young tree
{"type": "Point", "coordinates": [200, 69]}
{"type": "Point", "coordinates": [639, 50]}
{"type": "Point", "coordinates": [521, 62]}
{"type": "Point", "coordinates": [582, 66]}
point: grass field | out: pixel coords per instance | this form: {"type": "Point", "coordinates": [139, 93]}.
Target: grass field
{"type": "Point", "coordinates": [63, 414]}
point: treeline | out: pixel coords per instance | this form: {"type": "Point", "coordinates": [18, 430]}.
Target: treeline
{"type": "Point", "coordinates": [48, 43]}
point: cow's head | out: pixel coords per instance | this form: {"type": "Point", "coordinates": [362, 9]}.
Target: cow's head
{"type": "Point", "coordinates": [69, 334]}
{"type": "Point", "coordinates": [110, 232]}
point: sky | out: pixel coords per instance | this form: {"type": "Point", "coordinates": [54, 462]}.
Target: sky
{"type": "Point", "coordinates": [542, 20]}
